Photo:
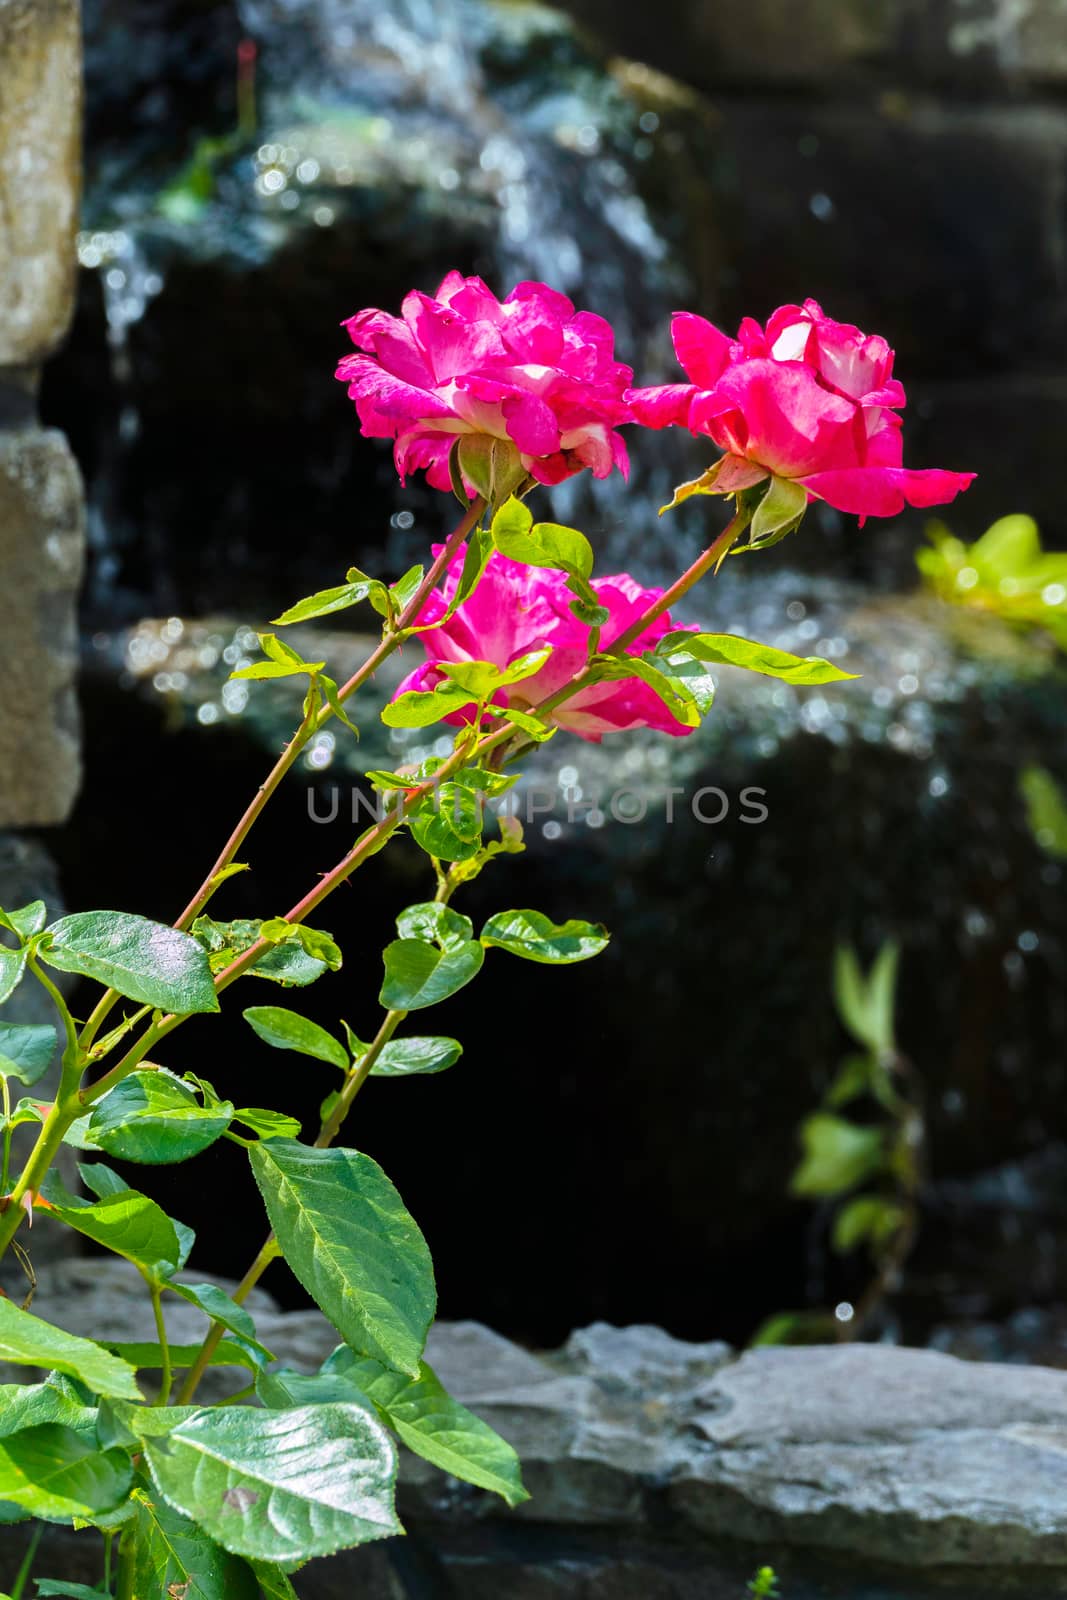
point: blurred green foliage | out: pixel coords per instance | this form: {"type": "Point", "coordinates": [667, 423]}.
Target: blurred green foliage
{"type": "Point", "coordinates": [764, 1586]}
{"type": "Point", "coordinates": [1006, 571]}
{"type": "Point", "coordinates": [186, 195]}
{"type": "Point", "coordinates": [868, 1171]}
{"type": "Point", "coordinates": [1046, 810]}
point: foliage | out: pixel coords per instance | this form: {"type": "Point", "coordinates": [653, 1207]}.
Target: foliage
{"type": "Point", "coordinates": [223, 1502]}
{"type": "Point", "coordinates": [1006, 572]}
{"type": "Point", "coordinates": [863, 1169]}
{"type": "Point", "coordinates": [1046, 812]}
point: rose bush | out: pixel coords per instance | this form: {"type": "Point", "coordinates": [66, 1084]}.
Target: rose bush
{"type": "Point", "coordinates": [522, 640]}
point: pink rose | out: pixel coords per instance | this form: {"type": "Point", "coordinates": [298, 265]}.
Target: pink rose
{"type": "Point", "coordinates": [530, 371]}
{"type": "Point", "coordinates": [516, 609]}
{"type": "Point", "coordinates": [805, 398]}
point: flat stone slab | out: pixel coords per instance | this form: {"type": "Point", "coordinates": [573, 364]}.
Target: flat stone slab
{"type": "Point", "coordinates": [662, 1468]}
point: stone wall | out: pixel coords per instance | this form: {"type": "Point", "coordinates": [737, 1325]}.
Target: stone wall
{"type": "Point", "coordinates": [41, 506]}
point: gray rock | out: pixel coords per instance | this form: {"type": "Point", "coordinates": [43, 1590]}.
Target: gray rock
{"type": "Point", "coordinates": [471, 1359]}
{"type": "Point", "coordinates": [40, 139]}
{"type": "Point", "coordinates": [642, 1360]}
{"type": "Point", "coordinates": [41, 549]}
{"type": "Point", "coordinates": [857, 1394]}
{"type": "Point", "coordinates": [898, 1455]}
{"type": "Point", "coordinates": [662, 1470]}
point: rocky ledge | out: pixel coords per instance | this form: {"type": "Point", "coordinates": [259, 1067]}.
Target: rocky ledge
{"type": "Point", "coordinates": [661, 1470]}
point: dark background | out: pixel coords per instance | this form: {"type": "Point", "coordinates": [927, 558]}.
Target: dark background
{"type": "Point", "coordinates": [618, 1138]}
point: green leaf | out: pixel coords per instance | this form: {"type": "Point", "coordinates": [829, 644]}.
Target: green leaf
{"type": "Point", "coordinates": [590, 612]}
{"type": "Point", "coordinates": [123, 1220]}
{"type": "Point", "coordinates": [417, 975]}
{"type": "Point", "coordinates": [328, 601]}
{"type": "Point", "coordinates": [881, 995]}
{"type": "Point", "coordinates": [1006, 549]}
{"type": "Point", "coordinates": [268, 1124]}
{"type": "Point", "coordinates": [24, 1111]}
{"type": "Point", "coordinates": [283, 1388]}
{"type": "Point", "coordinates": [448, 823]}
{"type": "Point", "coordinates": [51, 1587]}
{"type": "Point", "coordinates": [532, 725]}
{"type": "Point", "coordinates": [153, 1117]}
{"type": "Point", "coordinates": [778, 513]}
{"type": "Point", "coordinates": [173, 1557]}
{"type": "Point", "coordinates": [674, 692]}
{"type": "Point", "coordinates": [26, 1050]}
{"type": "Point", "coordinates": [290, 965]}
{"type": "Point", "coordinates": [533, 935]}
{"type": "Point", "coordinates": [143, 960]}
{"type": "Point", "coordinates": [688, 678]}
{"type": "Point", "coordinates": [273, 1581]}
{"type": "Point", "coordinates": [280, 1485]}
{"type": "Point", "coordinates": [349, 1240]}
{"type": "Point", "coordinates": [131, 1425]}
{"type": "Point", "coordinates": [28, 1405]}
{"type": "Point", "coordinates": [55, 1473]}
{"type": "Point", "coordinates": [419, 708]}
{"type": "Point", "coordinates": [332, 695]}
{"type": "Point", "coordinates": [850, 992]}
{"type": "Point", "coordinates": [147, 1356]}
{"type": "Point", "coordinates": [856, 1076]}
{"type": "Point", "coordinates": [545, 544]}
{"type": "Point", "coordinates": [429, 1421]}
{"type": "Point", "coordinates": [229, 872]}
{"type": "Point", "coordinates": [481, 679]}
{"type": "Point", "coordinates": [26, 921]}
{"type": "Point", "coordinates": [403, 780]}
{"type": "Point", "coordinates": [838, 1155]}
{"type": "Point", "coordinates": [402, 1057]}
{"type": "Point", "coordinates": [729, 650]}
{"type": "Point", "coordinates": [493, 466]}
{"type": "Point", "coordinates": [12, 969]}
{"type": "Point", "coordinates": [796, 1327]}
{"type": "Point", "coordinates": [435, 924]}
{"type": "Point", "coordinates": [282, 661]}
{"type": "Point", "coordinates": [403, 591]}
{"type": "Point", "coordinates": [299, 954]}
{"type": "Point", "coordinates": [475, 561]}
{"type": "Point", "coordinates": [216, 1304]}
{"type": "Point", "coordinates": [868, 1217]}
{"type": "Point", "coordinates": [28, 1341]}
{"type": "Point", "coordinates": [865, 1005]}
{"type": "Point", "coordinates": [1046, 812]}
{"type": "Point", "coordinates": [287, 1030]}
